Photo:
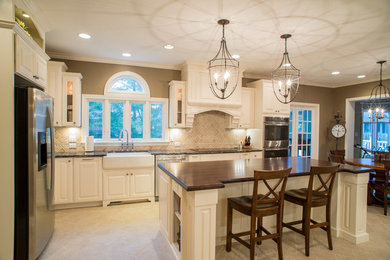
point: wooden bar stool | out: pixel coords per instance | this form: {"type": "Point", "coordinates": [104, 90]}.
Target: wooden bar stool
{"type": "Point", "coordinates": [381, 185]}
{"type": "Point", "coordinates": [308, 198]}
{"type": "Point", "coordinates": [258, 206]}
{"type": "Point", "coordinates": [337, 158]}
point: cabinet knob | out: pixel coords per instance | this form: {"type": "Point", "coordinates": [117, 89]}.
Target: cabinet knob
{"type": "Point", "coordinates": [57, 123]}
{"type": "Point", "coordinates": [127, 174]}
{"type": "Point", "coordinates": [74, 123]}
{"type": "Point", "coordinates": [131, 174]}
{"type": "Point", "coordinates": [68, 160]}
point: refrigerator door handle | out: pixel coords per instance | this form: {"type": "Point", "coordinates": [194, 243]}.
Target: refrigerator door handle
{"type": "Point", "coordinates": [52, 154]}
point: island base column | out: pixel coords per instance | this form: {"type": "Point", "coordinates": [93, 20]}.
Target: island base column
{"type": "Point", "coordinates": [199, 225]}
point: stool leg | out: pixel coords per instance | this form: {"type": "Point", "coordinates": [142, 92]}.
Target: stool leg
{"type": "Point", "coordinates": [385, 202]}
{"type": "Point", "coordinates": [279, 230]}
{"type": "Point", "coordinates": [307, 230]}
{"type": "Point", "coordinates": [259, 232]}
{"type": "Point", "coordinates": [252, 238]}
{"type": "Point", "coordinates": [329, 228]}
{"type": "Point", "coordinates": [229, 226]}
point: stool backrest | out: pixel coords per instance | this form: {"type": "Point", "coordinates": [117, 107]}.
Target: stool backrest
{"type": "Point", "coordinates": [387, 177]}
{"type": "Point", "coordinates": [337, 158]}
{"type": "Point", "coordinates": [270, 196]}
{"type": "Point", "coordinates": [325, 187]}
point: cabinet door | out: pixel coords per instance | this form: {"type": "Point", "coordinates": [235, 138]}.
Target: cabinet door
{"type": "Point", "coordinates": [87, 179]}
{"type": "Point", "coordinates": [71, 99]}
{"type": "Point", "coordinates": [63, 181]}
{"type": "Point", "coordinates": [41, 71]}
{"type": "Point", "coordinates": [164, 187]}
{"type": "Point", "coordinates": [247, 108]}
{"type": "Point", "coordinates": [24, 59]}
{"type": "Point", "coordinates": [269, 100]}
{"type": "Point", "coordinates": [116, 185]}
{"type": "Point", "coordinates": [245, 156]}
{"type": "Point", "coordinates": [194, 158]}
{"type": "Point", "coordinates": [177, 104]}
{"type": "Point", "coordinates": [256, 155]}
{"type": "Point", "coordinates": [141, 182]}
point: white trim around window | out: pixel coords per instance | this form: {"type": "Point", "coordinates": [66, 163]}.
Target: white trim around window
{"type": "Point", "coordinates": [106, 140]}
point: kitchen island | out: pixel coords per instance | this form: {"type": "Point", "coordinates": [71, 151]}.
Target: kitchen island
{"type": "Point", "coordinates": [193, 201]}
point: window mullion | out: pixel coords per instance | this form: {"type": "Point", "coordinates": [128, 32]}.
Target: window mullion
{"type": "Point", "coordinates": [126, 117]}
{"type": "Point", "coordinates": [106, 120]}
{"type": "Point", "coordinates": [147, 120]}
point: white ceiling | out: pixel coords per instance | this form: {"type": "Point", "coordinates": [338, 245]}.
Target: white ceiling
{"type": "Point", "coordinates": [328, 35]}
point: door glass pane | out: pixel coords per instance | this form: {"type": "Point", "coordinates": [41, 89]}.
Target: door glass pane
{"type": "Point", "coordinates": [299, 138]}
{"type": "Point", "coordinates": [304, 139]}
{"type": "Point", "coordinates": [95, 119]}
{"type": "Point", "coordinates": [116, 121]}
{"type": "Point", "coordinates": [300, 127]}
{"type": "Point", "coordinates": [309, 128]}
{"type": "Point", "coordinates": [156, 120]}
{"type": "Point", "coordinates": [305, 115]}
{"type": "Point", "coordinates": [309, 112]}
{"type": "Point", "coordinates": [69, 101]}
{"type": "Point", "coordinates": [137, 120]}
{"type": "Point", "coordinates": [304, 127]}
{"type": "Point", "coordinates": [309, 138]}
{"type": "Point", "coordinates": [299, 115]}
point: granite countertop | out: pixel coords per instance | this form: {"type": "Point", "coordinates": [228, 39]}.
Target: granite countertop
{"type": "Point", "coordinates": [158, 152]}
{"type": "Point", "coordinates": [214, 175]}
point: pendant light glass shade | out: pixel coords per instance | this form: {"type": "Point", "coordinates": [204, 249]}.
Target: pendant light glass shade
{"type": "Point", "coordinates": [376, 108]}
{"type": "Point", "coordinates": [223, 69]}
{"type": "Point", "coordinates": [285, 79]}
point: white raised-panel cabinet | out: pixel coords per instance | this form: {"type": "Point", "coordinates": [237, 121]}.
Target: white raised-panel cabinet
{"type": "Point", "coordinates": [116, 184]}
{"type": "Point", "coordinates": [71, 99]}
{"type": "Point", "coordinates": [165, 203]}
{"type": "Point", "coordinates": [245, 156]}
{"type": "Point", "coordinates": [177, 104]}
{"type": "Point", "coordinates": [247, 108]}
{"type": "Point", "coordinates": [63, 181]}
{"type": "Point", "coordinates": [54, 87]}
{"type": "Point", "coordinates": [29, 63]}
{"type": "Point", "coordinates": [87, 179]}
{"type": "Point", "coordinates": [266, 103]}
{"type": "Point", "coordinates": [256, 155]}
{"type": "Point", "coordinates": [141, 181]}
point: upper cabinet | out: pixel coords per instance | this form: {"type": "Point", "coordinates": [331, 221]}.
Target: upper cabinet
{"type": "Point", "coordinates": [65, 87]}
{"type": "Point", "coordinates": [266, 103]}
{"type": "Point", "coordinates": [30, 63]}
{"type": "Point", "coordinates": [177, 104]}
{"type": "Point", "coordinates": [71, 99]}
{"type": "Point", "coordinates": [247, 108]}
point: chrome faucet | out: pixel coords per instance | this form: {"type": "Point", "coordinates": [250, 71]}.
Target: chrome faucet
{"type": "Point", "coordinates": [127, 138]}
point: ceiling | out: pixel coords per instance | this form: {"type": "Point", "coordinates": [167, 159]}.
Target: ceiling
{"type": "Point", "coordinates": [328, 35]}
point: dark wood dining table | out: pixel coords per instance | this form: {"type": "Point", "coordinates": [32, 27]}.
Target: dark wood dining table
{"type": "Point", "coordinates": [365, 162]}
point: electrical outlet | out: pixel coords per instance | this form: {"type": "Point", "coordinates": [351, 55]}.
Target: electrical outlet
{"type": "Point", "coordinates": [72, 145]}
{"type": "Point", "coordinates": [72, 139]}
{"type": "Point", "coordinates": [177, 143]}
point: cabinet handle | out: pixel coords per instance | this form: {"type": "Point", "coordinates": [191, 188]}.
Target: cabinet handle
{"type": "Point", "coordinates": [87, 159]}
{"type": "Point", "coordinates": [36, 77]}
{"type": "Point", "coordinates": [68, 160]}
{"type": "Point", "coordinates": [131, 174]}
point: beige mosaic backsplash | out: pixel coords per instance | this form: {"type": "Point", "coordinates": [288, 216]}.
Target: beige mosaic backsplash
{"type": "Point", "coordinates": [209, 131]}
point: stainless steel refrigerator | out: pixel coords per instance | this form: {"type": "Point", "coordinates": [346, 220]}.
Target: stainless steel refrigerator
{"type": "Point", "coordinates": [34, 170]}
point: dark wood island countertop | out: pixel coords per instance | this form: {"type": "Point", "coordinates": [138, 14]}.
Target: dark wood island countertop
{"type": "Point", "coordinates": [194, 176]}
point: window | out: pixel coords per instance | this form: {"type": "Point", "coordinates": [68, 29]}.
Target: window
{"type": "Point", "coordinates": [375, 133]}
{"type": "Point", "coordinates": [303, 130]}
{"type": "Point", "coordinates": [127, 105]}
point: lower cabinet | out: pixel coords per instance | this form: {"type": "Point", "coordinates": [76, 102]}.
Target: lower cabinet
{"type": "Point", "coordinates": [63, 181]}
{"type": "Point", "coordinates": [77, 180]}
{"type": "Point", "coordinates": [127, 184]}
{"type": "Point", "coordinates": [87, 179]}
{"type": "Point", "coordinates": [224, 156]}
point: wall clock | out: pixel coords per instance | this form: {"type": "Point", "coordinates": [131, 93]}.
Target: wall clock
{"type": "Point", "coordinates": [338, 130]}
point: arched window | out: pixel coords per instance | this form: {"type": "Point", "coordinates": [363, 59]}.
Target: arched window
{"type": "Point", "coordinates": [125, 105]}
{"type": "Point", "coordinates": [127, 83]}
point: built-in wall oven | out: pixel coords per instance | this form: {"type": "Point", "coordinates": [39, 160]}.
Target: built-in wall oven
{"type": "Point", "coordinates": [276, 136]}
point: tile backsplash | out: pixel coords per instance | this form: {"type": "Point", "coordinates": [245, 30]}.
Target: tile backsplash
{"type": "Point", "coordinates": [208, 131]}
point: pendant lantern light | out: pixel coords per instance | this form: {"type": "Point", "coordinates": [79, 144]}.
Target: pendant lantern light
{"type": "Point", "coordinates": [376, 108]}
{"type": "Point", "coordinates": [223, 69]}
{"type": "Point", "coordinates": [285, 79]}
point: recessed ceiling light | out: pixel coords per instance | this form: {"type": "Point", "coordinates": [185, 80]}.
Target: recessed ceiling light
{"type": "Point", "coordinates": [26, 15]}
{"type": "Point", "coordinates": [335, 72]}
{"type": "Point", "coordinates": [361, 76]}
{"type": "Point", "coordinates": [236, 56]}
{"type": "Point", "coordinates": [126, 54]}
{"type": "Point", "coordinates": [84, 36]}
{"type": "Point", "coordinates": [169, 47]}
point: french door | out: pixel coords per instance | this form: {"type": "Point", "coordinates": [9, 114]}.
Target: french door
{"type": "Point", "coordinates": [303, 130]}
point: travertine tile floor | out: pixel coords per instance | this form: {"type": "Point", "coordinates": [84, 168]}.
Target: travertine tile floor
{"type": "Point", "coordinates": [131, 232]}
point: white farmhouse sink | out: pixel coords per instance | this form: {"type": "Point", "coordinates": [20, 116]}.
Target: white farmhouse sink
{"type": "Point", "coordinates": [128, 160]}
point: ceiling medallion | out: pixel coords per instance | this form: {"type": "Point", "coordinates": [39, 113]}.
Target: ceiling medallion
{"type": "Point", "coordinates": [377, 94]}
{"type": "Point", "coordinates": [285, 79]}
{"type": "Point", "coordinates": [223, 69]}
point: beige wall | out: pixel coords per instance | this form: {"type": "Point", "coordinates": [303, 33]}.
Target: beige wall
{"type": "Point", "coordinates": [95, 76]}
{"type": "Point", "coordinates": [6, 134]}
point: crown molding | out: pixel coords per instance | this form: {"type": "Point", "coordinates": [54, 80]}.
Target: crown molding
{"type": "Point", "coordinates": [58, 55]}
{"type": "Point", "coordinates": [7, 24]}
